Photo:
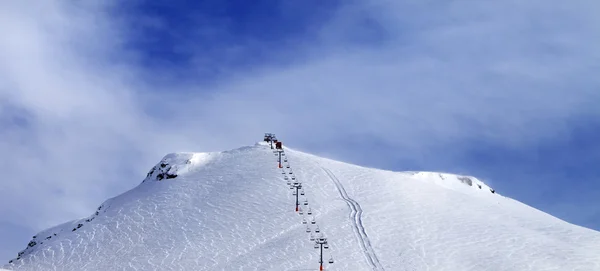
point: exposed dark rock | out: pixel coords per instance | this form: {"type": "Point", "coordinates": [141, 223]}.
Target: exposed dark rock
{"type": "Point", "coordinates": [171, 176]}
{"type": "Point", "coordinates": [466, 180]}
{"type": "Point", "coordinates": [493, 191]}
{"type": "Point", "coordinates": [31, 244]}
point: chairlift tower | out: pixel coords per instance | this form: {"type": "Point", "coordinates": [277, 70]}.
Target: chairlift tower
{"type": "Point", "coordinates": [270, 137]}
{"type": "Point", "coordinates": [321, 243]}
{"type": "Point", "coordinates": [297, 186]}
{"type": "Point", "coordinates": [279, 152]}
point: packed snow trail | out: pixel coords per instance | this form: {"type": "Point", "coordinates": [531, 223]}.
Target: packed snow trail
{"type": "Point", "coordinates": [356, 218]}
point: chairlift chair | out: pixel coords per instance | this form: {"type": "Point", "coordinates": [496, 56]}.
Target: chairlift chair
{"type": "Point", "coordinates": [331, 259]}
{"type": "Point", "coordinates": [291, 173]}
{"type": "Point", "coordinates": [287, 166]}
{"type": "Point", "coordinates": [300, 211]}
{"type": "Point", "coordinates": [317, 230]}
{"type": "Point", "coordinates": [307, 229]}
{"type": "Point", "coordinates": [313, 221]}
{"type": "Point", "coordinates": [309, 211]}
{"type": "Point", "coordinates": [316, 245]}
{"type": "Point", "coordinates": [304, 221]}
{"type": "Point", "coordinates": [302, 192]}
{"type": "Point", "coordinates": [312, 237]}
{"type": "Point", "coordinates": [326, 246]}
{"type": "Point", "coordinates": [305, 202]}
{"type": "Point", "coordinates": [293, 178]}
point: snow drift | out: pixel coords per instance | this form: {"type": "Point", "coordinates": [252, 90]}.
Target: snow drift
{"type": "Point", "coordinates": [234, 210]}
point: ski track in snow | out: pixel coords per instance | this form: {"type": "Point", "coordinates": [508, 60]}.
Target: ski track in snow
{"type": "Point", "coordinates": [356, 218]}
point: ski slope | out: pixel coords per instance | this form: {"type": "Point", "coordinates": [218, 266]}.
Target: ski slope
{"type": "Point", "coordinates": [234, 210]}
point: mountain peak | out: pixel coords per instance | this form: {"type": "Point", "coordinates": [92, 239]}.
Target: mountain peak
{"type": "Point", "coordinates": [238, 209]}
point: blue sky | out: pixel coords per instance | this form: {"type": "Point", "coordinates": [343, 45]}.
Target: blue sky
{"type": "Point", "coordinates": [92, 95]}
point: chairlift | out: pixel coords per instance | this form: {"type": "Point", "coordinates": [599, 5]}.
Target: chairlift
{"type": "Point", "coordinates": [302, 192]}
{"type": "Point", "coordinates": [285, 177]}
{"type": "Point", "coordinates": [305, 202]}
{"type": "Point", "coordinates": [283, 172]}
{"type": "Point", "coordinates": [316, 245]}
{"type": "Point", "coordinates": [307, 229]}
{"type": "Point", "coordinates": [313, 221]}
{"type": "Point", "coordinates": [300, 211]}
{"type": "Point", "coordinates": [289, 183]}
{"type": "Point", "coordinates": [293, 177]}
{"type": "Point", "coordinates": [285, 160]}
{"type": "Point", "coordinates": [309, 211]}
{"type": "Point", "coordinates": [304, 221]}
{"type": "Point", "coordinates": [331, 259]}
{"type": "Point", "coordinates": [326, 246]}
{"type": "Point", "coordinates": [312, 237]}
{"type": "Point", "coordinates": [294, 193]}
{"type": "Point", "coordinates": [291, 187]}
{"type": "Point", "coordinates": [291, 173]}
{"type": "Point", "coordinates": [287, 166]}
{"type": "Point", "coordinates": [317, 229]}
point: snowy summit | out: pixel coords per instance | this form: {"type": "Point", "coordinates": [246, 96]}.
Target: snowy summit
{"type": "Point", "coordinates": [236, 210]}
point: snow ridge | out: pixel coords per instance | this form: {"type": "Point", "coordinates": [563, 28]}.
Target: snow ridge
{"type": "Point", "coordinates": [356, 218]}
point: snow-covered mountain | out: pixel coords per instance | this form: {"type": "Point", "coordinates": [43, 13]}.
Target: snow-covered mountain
{"type": "Point", "coordinates": [234, 210]}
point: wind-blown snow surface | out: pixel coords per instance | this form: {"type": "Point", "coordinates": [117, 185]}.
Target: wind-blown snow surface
{"type": "Point", "coordinates": [233, 210]}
